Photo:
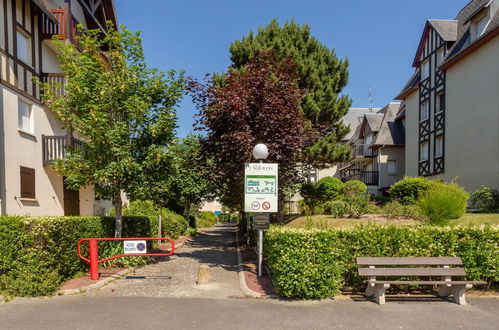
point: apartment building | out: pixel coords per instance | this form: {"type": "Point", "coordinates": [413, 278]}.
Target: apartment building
{"type": "Point", "coordinates": [377, 150]}
{"type": "Point", "coordinates": [30, 137]}
{"type": "Point", "coordinates": [451, 102]}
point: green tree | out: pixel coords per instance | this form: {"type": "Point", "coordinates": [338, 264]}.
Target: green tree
{"type": "Point", "coordinates": [124, 111]}
{"type": "Point", "coordinates": [321, 75]}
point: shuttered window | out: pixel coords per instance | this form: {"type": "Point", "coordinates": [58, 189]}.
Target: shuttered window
{"type": "Point", "coordinates": [27, 182]}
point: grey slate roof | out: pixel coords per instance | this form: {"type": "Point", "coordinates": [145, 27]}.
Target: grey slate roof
{"type": "Point", "coordinates": [463, 32]}
{"type": "Point", "coordinates": [354, 118]}
{"type": "Point", "coordinates": [374, 120]}
{"type": "Point", "coordinates": [411, 83]}
{"type": "Point", "coordinates": [391, 131]}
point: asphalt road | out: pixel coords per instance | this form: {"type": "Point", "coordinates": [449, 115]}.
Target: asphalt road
{"type": "Point", "coordinates": [79, 312]}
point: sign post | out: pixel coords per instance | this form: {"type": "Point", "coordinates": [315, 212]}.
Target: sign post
{"type": "Point", "coordinates": [260, 196]}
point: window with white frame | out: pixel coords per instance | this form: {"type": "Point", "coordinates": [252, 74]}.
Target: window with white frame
{"type": "Point", "coordinates": [23, 47]}
{"type": "Point", "coordinates": [425, 110]}
{"type": "Point", "coordinates": [440, 55]}
{"type": "Point", "coordinates": [439, 146]}
{"type": "Point", "coordinates": [424, 150]}
{"type": "Point", "coordinates": [425, 69]}
{"type": "Point", "coordinates": [25, 120]}
{"type": "Point", "coordinates": [439, 102]}
{"type": "Point", "coordinates": [391, 166]}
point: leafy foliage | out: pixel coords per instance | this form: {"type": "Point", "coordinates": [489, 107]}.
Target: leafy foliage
{"type": "Point", "coordinates": [124, 112]}
{"type": "Point", "coordinates": [336, 208]}
{"type": "Point", "coordinates": [205, 219]}
{"type": "Point", "coordinates": [328, 188]}
{"type": "Point", "coordinates": [313, 264]}
{"type": "Point", "coordinates": [396, 209]}
{"type": "Point", "coordinates": [486, 199]}
{"type": "Point", "coordinates": [320, 73]}
{"type": "Point", "coordinates": [444, 202]}
{"type": "Point", "coordinates": [258, 105]}
{"type": "Point", "coordinates": [408, 189]}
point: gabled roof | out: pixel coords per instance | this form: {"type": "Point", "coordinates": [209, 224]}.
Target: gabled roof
{"type": "Point", "coordinates": [391, 131]}
{"type": "Point", "coordinates": [446, 29]}
{"type": "Point", "coordinates": [353, 118]}
{"type": "Point", "coordinates": [464, 44]}
{"type": "Point", "coordinates": [374, 120]}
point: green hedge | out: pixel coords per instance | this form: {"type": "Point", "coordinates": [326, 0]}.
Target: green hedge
{"type": "Point", "coordinates": [38, 254]}
{"type": "Point", "coordinates": [205, 219]}
{"type": "Point", "coordinates": [317, 264]}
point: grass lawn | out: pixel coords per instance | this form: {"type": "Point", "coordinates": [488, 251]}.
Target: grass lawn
{"type": "Point", "coordinates": [323, 220]}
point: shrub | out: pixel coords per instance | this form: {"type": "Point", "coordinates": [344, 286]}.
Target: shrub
{"type": "Point", "coordinates": [354, 187]}
{"type": "Point", "coordinates": [205, 219]}
{"type": "Point", "coordinates": [380, 200]}
{"type": "Point", "coordinates": [444, 202]}
{"type": "Point", "coordinates": [309, 208]}
{"type": "Point", "coordinates": [486, 199]}
{"type": "Point", "coordinates": [336, 208]}
{"type": "Point", "coordinates": [328, 188]}
{"type": "Point", "coordinates": [395, 209]}
{"type": "Point", "coordinates": [318, 263]}
{"type": "Point", "coordinates": [408, 189]}
{"type": "Point", "coordinates": [38, 254]}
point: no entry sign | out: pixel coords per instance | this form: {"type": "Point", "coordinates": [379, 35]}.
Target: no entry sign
{"type": "Point", "coordinates": [260, 187]}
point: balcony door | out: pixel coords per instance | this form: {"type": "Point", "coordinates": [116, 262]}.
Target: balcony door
{"type": "Point", "coordinates": [71, 201]}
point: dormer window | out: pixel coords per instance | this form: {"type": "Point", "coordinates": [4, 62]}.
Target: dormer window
{"type": "Point", "coordinates": [480, 25]}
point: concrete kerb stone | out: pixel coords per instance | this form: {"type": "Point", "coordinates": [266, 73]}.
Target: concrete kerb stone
{"type": "Point", "coordinates": [242, 278]}
{"type": "Point", "coordinates": [102, 282]}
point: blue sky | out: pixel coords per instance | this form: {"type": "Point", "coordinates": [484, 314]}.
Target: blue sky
{"type": "Point", "coordinates": [379, 37]}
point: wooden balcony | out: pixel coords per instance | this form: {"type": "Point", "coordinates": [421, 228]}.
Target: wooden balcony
{"type": "Point", "coordinates": [362, 151]}
{"type": "Point", "coordinates": [66, 29]}
{"type": "Point", "coordinates": [54, 147]}
{"type": "Point", "coordinates": [56, 82]}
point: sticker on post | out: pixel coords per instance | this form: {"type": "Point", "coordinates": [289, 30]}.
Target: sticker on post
{"type": "Point", "coordinates": [134, 247]}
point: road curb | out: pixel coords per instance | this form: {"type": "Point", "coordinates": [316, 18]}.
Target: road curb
{"type": "Point", "coordinates": [242, 279]}
{"type": "Point", "coordinates": [103, 282]}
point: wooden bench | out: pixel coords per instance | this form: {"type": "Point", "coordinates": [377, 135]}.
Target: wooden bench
{"type": "Point", "coordinates": [428, 267]}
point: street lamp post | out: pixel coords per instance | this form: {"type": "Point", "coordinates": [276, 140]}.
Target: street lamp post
{"type": "Point", "coordinates": [260, 152]}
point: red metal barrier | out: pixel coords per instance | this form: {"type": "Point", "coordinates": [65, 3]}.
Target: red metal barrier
{"type": "Point", "coordinates": [93, 249]}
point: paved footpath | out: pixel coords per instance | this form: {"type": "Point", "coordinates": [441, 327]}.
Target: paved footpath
{"type": "Point", "coordinates": [165, 295]}
{"type": "Point", "coordinates": [176, 276]}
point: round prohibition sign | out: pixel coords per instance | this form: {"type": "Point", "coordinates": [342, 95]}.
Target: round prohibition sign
{"type": "Point", "coordinates": [255, 205]}
{"type": "Point", "coordinates": [266, 205]}
{"type": "Point", "coordinates": [141, 247]}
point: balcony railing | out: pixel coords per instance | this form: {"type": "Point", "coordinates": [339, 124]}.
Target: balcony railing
{"type": "Point", "coordinates": [62, 30]}
{"type": "Point", "coordinates": [54, 147]}
{"type": "Point", "coordinates": [360, 151]}
{"type": "Point", "coordinates": [56, 82]}
{"type": "Point", "coordinates": [369, 177]}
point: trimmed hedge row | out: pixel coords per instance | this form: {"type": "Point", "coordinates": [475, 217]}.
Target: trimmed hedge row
{"type": "Point", "coordinates": [314, 264]}
{"type": "Point", "coordinates": [38, 254]}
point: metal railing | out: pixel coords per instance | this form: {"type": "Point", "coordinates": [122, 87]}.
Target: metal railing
{"type": "Point", "coordinates": [362, 151]}
{"type": "Point", "coordinates": [54, 147]}
{"type": "Point", "coordinates": [369, 177]}
{"type": "Point", "coordinates": [56, 82]}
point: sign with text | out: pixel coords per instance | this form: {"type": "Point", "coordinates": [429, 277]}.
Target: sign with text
{"type": "Point", "coordinates": [134, 247]}
{"type": "Point", "coordinates": [261, 220]}
{"type": "Point", "coordinates": [260, 187]}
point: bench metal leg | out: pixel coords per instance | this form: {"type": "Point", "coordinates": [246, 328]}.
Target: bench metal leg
{"type": "Point", "coordinates": [458, 293]}
{"type": "Point", "coordinates": [378, 291]}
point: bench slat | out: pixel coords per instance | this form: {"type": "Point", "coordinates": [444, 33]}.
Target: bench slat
{"type": "Point", "coordinates": [427, 282]}
{"type": "Point", "coordinates": [396, 261]}
{"type": "Point", "coordinates": [412, 272]}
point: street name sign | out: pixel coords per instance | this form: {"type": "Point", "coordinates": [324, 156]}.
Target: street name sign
{"type": "Point", "coordinates": [260, 187]}
{"type": "Point", "coordinates": [134, 247]}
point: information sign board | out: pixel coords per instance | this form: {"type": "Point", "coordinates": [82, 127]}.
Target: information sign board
{"type": "Point", "coordinates": [260, 187]}
{"type": "Point", "coordinates": [134, 247]}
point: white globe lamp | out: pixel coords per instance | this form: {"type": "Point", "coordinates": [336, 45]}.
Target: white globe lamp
{"type": "Point", "coordinates": [260, 151]}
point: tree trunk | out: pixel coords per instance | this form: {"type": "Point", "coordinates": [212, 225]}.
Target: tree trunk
{"type": "Point", "coordinates": [119, 214]}
{"type": "Point", "coordinates": [280, 208]}
{"type": "Point", "coordinates": [160, 220]}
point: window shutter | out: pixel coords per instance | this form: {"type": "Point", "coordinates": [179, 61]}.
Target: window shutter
{"type": "Point", "coordinates": [27, 182]}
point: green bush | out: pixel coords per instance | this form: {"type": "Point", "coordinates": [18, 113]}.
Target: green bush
{"type": "Point", "coordinates": [318, 263]}
{"type": "Point", "coordinates": [205, 219]}
{"type": "Point", "coordinates": [486, 199]}
{"type": "Point", "coordinates": [408, 189]}
{"type": "Point", "coordinates": [328, 188]}
{"type": "Point", "coordinates": [395, 209]}
{"type": "Point", "coordinates": [355, 197]}
{"type": "Point", "coordinates": [354, 187]}
{"type": "Point", "coordinates": [38, 254]}
{"type": "Point", "coordinates": [336, 208]}
{"type": "Point", "coordinates": [380, 200]}
{"type": "Point", "coordinates": [444, 202]}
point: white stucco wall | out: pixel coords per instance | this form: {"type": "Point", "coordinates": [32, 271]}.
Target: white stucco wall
{"type": "Point", "coordinates": [472, 119]}
{"type": "Point", "coordinates": [390, 153]}
{"type": "Point", "coordinates": [411, 134]}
